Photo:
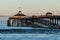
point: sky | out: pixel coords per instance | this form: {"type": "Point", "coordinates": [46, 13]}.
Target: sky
{"type": "Point", "coordinates": [29, 7]}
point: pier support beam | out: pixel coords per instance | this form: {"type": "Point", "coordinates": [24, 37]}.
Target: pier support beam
{"type": "Point", "coordinates": [26, 22]}
{"type": "Point", "coordinates": [57, 21]}
{"type": "Point", "coordinates": [8, 23]}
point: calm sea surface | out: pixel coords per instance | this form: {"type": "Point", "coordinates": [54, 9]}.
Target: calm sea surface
{"type": "Point", "coordinates": [28, 36]}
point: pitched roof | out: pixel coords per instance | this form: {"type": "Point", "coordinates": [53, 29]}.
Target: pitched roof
{"type": "Point", "coordinates": [19, 14]}
{"type": "Point", "coordinates": [48, 13]}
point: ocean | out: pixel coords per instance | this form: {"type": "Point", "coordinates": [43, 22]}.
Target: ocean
{"type": "Point", "coordinates": [26, 36]}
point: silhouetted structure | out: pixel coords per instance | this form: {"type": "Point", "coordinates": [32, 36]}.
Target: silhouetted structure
{"type": "Point", "coordinates": [34, 21]}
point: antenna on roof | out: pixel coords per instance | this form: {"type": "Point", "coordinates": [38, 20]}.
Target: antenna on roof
{"type": "Point", "coordinates": [19, 11]}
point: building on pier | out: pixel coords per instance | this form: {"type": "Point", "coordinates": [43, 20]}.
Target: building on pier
{"type": "Point", "coordinates": [18, 20]}
{"type": "Point", "coordinates": [48, 14]}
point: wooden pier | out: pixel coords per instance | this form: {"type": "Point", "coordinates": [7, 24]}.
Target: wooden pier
{"type": "Point", "coordinates": [21, 20]}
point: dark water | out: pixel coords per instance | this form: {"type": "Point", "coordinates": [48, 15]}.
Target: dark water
{"type": "Point", "coordinates": [29, 36]}
{"type": "Point", "coordinates": [35, 35]}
